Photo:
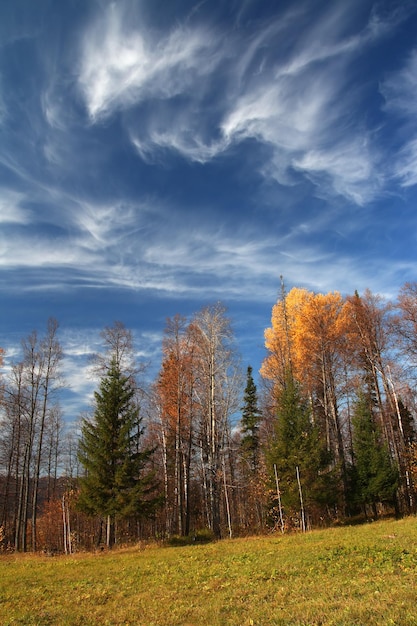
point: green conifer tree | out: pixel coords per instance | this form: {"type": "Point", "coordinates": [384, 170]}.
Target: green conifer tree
{"type": "Point", "coordinates": [375, 477]}
{"type": "Point", "coordinates": [251, 418]}
{"type": "Point", "coordinates": [115, 482]}
{"type": "Point", "coordinates": [297, 443]}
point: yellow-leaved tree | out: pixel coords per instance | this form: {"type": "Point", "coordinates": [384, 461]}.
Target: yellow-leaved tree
{"type": "Point", "coordinates": [308, 339]}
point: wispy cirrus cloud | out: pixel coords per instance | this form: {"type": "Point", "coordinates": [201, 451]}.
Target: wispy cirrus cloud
{"type": "Point", "coordinates": [406, 166]}
{"type": "Point", "coordinates": [122, 65]}
{"type": "Point", "coordinates": [11, 209]}
{"type": "Point", "coordinates": [350, 169]}
{"type": "Point", "coordinates": [3, 110]}
{"type": "Point", "coordinates": [296, 105]}
{"type": "Point", "coordinates": [400, 93]}
{"type": "Point", "coordinates": [152, 161]}
{"type": "Point", "coordinates": [400, 89]}
{"type": "Point", "coordinates": [192, 90]}
{"type": "Point", "coordinates": [109, 246]}
{"type": "Point", "coordinates": [139, 248]}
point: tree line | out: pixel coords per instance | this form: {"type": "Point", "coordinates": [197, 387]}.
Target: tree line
{"type": "Point", "coordinates": [329, 435]}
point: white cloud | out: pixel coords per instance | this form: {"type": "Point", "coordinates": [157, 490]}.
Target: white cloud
{"type": "Point", "coordinates": [400, 92]}
{"type": "Point", "coordinates": [30, 251]}
{"type": "Point", "coordinates": [11, 211]}
{"type": "Point", "coordinates": [289, 97]}
{"type": "Point", "coordinates": [122, 65]}
{"type": "Point", "coordinates": [177, 137]}
{"type": "Point", "coordinates": [406, 165]}
{"type": "Point", "coordinates": [303, 111]}
{"type": "Point", "coordinates": [104, 225]}
{"type": "Point", "coordinates": [54, 108]}
{"type": "Point", "coordinates": [2, 109]}
{"type": "Point", "coordinates": [400, 89]}
{"type": "Point", "coordinates": [350, 169]}
{"type": "Point", "coordinates": [93, 241]}
{"type": "Point", "coordinates": [107, 245]}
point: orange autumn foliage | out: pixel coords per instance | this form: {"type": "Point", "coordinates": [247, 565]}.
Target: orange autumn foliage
{"type": "Point", "coordinates": [308, 332]}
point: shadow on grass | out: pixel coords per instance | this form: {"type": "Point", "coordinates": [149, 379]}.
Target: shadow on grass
{"type": "Point", "coordinates": [199, 537]}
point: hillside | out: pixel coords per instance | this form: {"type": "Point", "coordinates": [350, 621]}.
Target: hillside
{"type": "Point", "coordinates": [352, 575]}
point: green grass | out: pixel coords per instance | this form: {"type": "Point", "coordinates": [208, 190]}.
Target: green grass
{"type": "Point", "coordinates": [353, 575]}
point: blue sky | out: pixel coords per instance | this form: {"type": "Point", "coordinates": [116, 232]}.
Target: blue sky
{"type": "Point", "coordinates": [158, 156]}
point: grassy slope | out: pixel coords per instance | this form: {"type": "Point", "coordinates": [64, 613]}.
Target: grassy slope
{"type": "Point", "coordinates": [354, 575]}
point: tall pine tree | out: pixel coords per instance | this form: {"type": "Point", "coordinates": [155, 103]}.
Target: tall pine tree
{"type": "Point", "coordinates": [115, 482]}
{"type": "Point", "coordinates": [375, 477]}
{"type": "Point", "coordinates": [297, 443]}
{"type": "Point", "coordinates": [251, 418]}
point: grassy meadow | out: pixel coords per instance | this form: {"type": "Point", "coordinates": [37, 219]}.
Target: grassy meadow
{"type": "Point", "coordinates": [351, 575]}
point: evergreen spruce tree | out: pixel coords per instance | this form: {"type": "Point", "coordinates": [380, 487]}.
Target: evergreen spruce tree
{"type": "Point", "coordinates": [251, 418]}
{"type": "Point", "coordinates": [376, 479]}
{"type": "Point", "coordinates": [297, 443]}
{"type": "Point", "coordinates": [114, 483]}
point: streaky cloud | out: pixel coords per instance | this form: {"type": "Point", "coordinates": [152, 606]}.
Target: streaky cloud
{"type": "Point", "coordinates": [406, 164]}
{"type": "Point", "coordinates": [11, 210]}
{"type": "Point", "coordinates": [400, 93]}
{"type": "Point", "coordinates": [121, 65]}
{"type": "Point", "coordinates": [400, 89]}
{"type": "Point", "coordinates": [349, 169]}
{"type": "Point", "coordinates": [296, 105]}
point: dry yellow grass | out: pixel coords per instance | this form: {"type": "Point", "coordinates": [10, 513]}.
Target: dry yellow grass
{"type": "Point", "coordinates": [354, 575]}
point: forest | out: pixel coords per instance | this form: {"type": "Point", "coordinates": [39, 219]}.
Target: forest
{"type": "Point", "coordinates": [328, 436]}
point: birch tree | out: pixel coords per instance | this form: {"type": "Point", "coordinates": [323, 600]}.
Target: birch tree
{"type": "Point", "coordinates": [177, 410]}
{"type": "Point", "coordinates": [30, 401]}
{"type": "Point", "coordinates": [217, 393]}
